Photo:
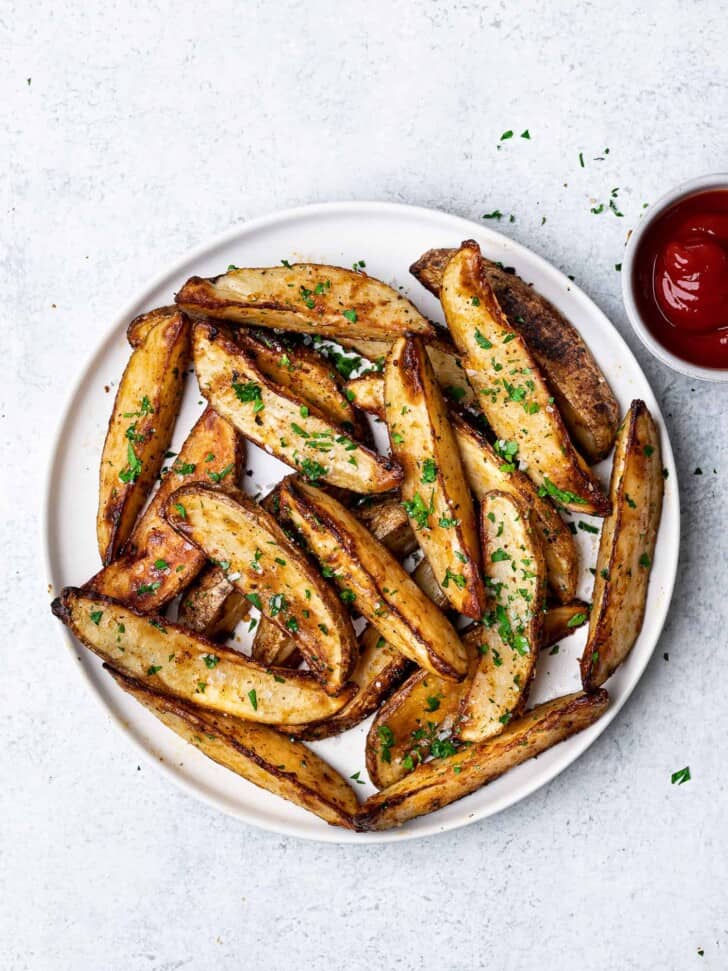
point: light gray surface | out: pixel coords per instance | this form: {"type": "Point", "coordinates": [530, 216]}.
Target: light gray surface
{"type": "Point", "coordinates": [145, 129]}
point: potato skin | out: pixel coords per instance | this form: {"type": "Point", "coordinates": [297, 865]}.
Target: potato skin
{"type": "Point", "coordinates": [582, 393]}
{"type": "Point", "coordinates": [211, 605]}
{"type": "Point", "coordinates": [140, 428]}
{"type": "Point", "coordinates": [626, 547]}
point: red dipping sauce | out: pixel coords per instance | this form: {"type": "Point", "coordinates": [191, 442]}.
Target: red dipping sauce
{"type": "Point", "coordinates": [681, 278]}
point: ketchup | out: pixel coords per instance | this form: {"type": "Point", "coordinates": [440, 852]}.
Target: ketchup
{"type": "Point", "coordinates": [681, 278]}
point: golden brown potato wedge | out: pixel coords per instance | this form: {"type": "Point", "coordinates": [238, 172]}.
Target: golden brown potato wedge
{"type": "Point", "coordinates": [169, 658]}
{"type": "Point", "coordinates": [443, 357]}
{"type": "Point", "coordinates": [387, 521]}
{"type": "Point", "coordinates": [305, 374]}
{"type": "Point", "coordinates": [273, 647]}
{"type": "Point", "coordinates": [485, 471]}
{"type": "Point", "coordinates": [561, 621]}
{"type": "Point", "coordinates": [379, 670]}
{"type": "Point", "coordinates": [286, 426]}
{"type": "Point", "coordinates": [626, 547]}
{"type": "Point", "coordinates": [157, 563]}
{"type": "Point", "coordinates": [416, 720]}
{"type": "Point", "coordinates": [272, 573]}
{"type": "Point", "coordinates": [140, 429]}
{"type": "Point", "coordinates": [511, 390]}
{"type": "Point", "coordinates": [257, 753]}
{"type": "Point", "coordinates": [583, 396]}
{"type": "Point", "coordinates": [307, 297]}
{"type": "Point", "coordinates": [435, 494]}
{"type": "Point", "coordinates": [372, 581]}
{"type": "Point", "coordinates": [443, 781]}
{"type": "Point", "coordinates": [212, 605]}
{"type": "Point", "coordinates": [515, 574]}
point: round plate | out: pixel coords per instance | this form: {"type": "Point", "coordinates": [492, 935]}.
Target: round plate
{"type": "Point", "coordinates": [388, 237]}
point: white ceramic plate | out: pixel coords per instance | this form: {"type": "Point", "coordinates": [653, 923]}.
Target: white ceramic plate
{"type": "Point", "coordinates": [388, 237]}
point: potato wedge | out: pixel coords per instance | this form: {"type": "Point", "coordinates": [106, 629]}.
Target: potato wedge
{"type": "Point", "coordinates": [306, 297]}
{"type": "Point", "coordinates": [444, 359]}
{"type": "Point", "coordinates": [285, 426]}
{"type": "Point", "coordinates": [379, 670]}
{"type": "Point", "coordinates": [157, 563]}
{"type": "Point", "coordinates": [443, 781]}
{"type": "Point", "coordinates": [561, 621]}
{"type": "Point", "coordinates": [387, 521]}
{"type": "Point", "coordinates": [212, 605]}
{"type": "Point", "coordinates": [305, 374]}
{"type": "Point", "coordinates": [626, 547]}
{"type": "Point", "coordinates": [370, 578]}
{"type": "Point", "coordinates": [583, 396]}
{"type": "Point", "coordinates": [417, 719]}
{"type": "Point", "coordinates": [255, 752]}
{"type": "Point", "coordinates": [515, 574]}
{"type": "Point", "coordinates": [273, 647]}
{"type": "Point", "coordinates": [274, 575]}
{"type": "Point", "coordinates": [486, 471]}
{"type": "Point", "coordinates": [512, 392]}
{"type": "Point", "coordinates": [140, 429]}
{"type": "Point", "coordinates": [169, 658]}
{"type": "Point", "coordinates": [434, 491]}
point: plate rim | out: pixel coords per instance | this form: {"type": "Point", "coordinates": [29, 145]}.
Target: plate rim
{"type": "Point", "coordinates": [144, 746]}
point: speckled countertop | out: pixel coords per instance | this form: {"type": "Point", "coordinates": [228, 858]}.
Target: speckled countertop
{"type": "Point", "coordinates": [132, 132]}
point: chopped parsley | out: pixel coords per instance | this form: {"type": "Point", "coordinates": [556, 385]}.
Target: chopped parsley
{"type": "Point", "coordinates": [253, 698]}
{"type": "Point", "coordinates": [419, 511]}
{"type": "Point", "coordinates": [386, 741]}
{"type": "Point", "coordinates": [96, 616]}
{"type": "Point", "coordinates": [133, 468]}
{"type": "Point", "coordinates": [577, 620]}
{"type": "Point", "coordinates": [211, 660]}
{"type": "Point", "coordinates": [681, 776]}
{"type": "Point", "coordinates": [482, 341]}
{"type": "Point", "coordinates": [249, 391]}
{"type": "Point", "coordinates": [429, 471]}
{"type": "Point", "coordinates": [562, 495]}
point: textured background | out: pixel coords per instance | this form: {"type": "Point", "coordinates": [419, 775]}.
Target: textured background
{"type": "Point", "coordinates": [131, 132]}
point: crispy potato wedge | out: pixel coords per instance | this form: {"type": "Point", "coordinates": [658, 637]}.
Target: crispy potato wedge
{"type": "Point", "coordinates": [583, 396]}
{"type": "Point", "coordinates": [169, 658]}
{"type": "Point", "coordinates": [379, 670]}
{"type": "Point", "coordinates": [212, 605]}
{"type": "Point", "coordinates": [157, 563]}
{"type": "Point", "coordinates": [561, 621]}
{"type": "Point", "coordinates": [284, 425]}
{"type": "Point", "coordinates": [273, 647]}
{"type": "Point", "coordinates": [444, 359]}
{"type": "Point", "coordinates": [140, 429]}
{"type": "Point", "coordinates": [420, 714]}
{"type": "Point", "coordinates": [370, 578]}
{"type": "Point", "coordinates": [626, 547]}
{"type": "Point", "coordinates": [257, 753]}
{"type": "Point", "coordinates": [387, 521]}
{"type": "Point", "coordinates": [511, 390]}
{"type": "Point", "coordinates": [306, 297]}
{"type": "Point", "coordinates": [443, 781]}
{"type": "Point", "coordinates": [274, 575]}
{"type": "Point", "coordinates": [486, 471]}
{"type": "Point", "coordinates": [306, 375]}
{"type": "Point", "coordinates": [515, 573]}
{"type": "Point", "coordinates": [434, 491]}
